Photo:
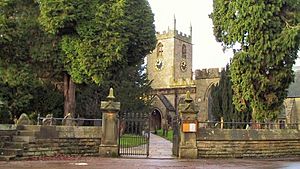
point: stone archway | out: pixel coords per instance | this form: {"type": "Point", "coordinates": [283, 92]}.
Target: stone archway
{"type": "Point", "coordinates": [155, 120]}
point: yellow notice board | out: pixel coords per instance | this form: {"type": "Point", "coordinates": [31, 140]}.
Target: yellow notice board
{"type": "Point", "coordinates": [189, 127]}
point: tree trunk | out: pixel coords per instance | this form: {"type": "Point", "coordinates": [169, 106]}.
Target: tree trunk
{"type": "Point", "coordinates": [69, 96]}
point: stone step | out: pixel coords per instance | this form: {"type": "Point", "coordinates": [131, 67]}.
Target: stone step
{"type": "Point", "coordinates": [11, 152]}
{"type": "Point", "coordinates": [29, 127]}
{"type": "Point", "coordinates": [27, 139]}
{"type": "Point", "coordinates": [5, 138]}
{"type": "Point", "coordinates": [7, 158]}
{"type": "Point", "coordinates": [27, 133]}
{"type": "Point", "coordinates": [18, 145]}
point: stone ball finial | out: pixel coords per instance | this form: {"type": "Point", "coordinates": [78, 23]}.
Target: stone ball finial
{"type": "Point", "coordinates": [111, 94]}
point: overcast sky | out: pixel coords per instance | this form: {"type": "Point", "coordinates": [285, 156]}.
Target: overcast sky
{"type": "Point", "coordinates": [207, 53]}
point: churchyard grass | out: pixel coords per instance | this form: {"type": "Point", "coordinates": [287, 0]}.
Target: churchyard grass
{"type": "Point", "coordinates": [131, 140]}
{"type": "Point", "coordinates": [168, 137]}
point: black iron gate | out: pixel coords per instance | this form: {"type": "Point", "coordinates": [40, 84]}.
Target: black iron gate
{"type": "Point", "coordinates": [134, 134]}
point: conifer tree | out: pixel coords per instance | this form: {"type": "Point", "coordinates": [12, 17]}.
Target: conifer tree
{"type": "Point", "coordinates": [266, 36]}
{"type": "Point", "coordinates": [98, 38]}
{"type": "Point", "coordinates": [222, 102]}
{"type": "Point", "coordinates": [28, 56]}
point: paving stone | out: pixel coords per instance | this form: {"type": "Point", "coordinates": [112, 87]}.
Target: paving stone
{"type": "Point", "coordinates": [159, 147]}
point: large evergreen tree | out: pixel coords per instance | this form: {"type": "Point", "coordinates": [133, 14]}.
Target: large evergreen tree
{"type": "Point", "coordinates": [133, 87]}
{"type": "Point", "coordinates": [89, 42]}
{"type": "Point", "coordinates": [222, 103]}
{"type": "Point", "coordinates": [266, 36]}
{"type": "Point", "coordinates": [98, 38]}
{"type": "Point", "coordinates": [27, 58]}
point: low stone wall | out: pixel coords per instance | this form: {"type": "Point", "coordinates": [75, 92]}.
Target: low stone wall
{"type": "Point", "coordinates": [6, 135]}
{"type": "Point", "coordinates": [237, 143]}
{"type": "Point", "coordinates": [47, 132]}
{"type": "Point", "coordinates": [62, 140]}
{"type": "Point", "coordinates": [67, 146]}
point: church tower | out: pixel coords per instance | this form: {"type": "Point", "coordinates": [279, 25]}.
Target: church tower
{"type": "Point", "coordinates": [170, 63]}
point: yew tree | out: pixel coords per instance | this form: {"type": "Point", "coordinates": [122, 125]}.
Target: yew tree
{"type": "Point", "coordinates": [98, 38]}
{"type": "Point", "coordinates": [222, 103]}
{"type": "Point", "coordinates": [265, 36]}
{"type": "Point", "coordinates": [28, 56]}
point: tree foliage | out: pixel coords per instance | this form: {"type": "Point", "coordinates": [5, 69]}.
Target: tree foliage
{"type": "Point", "coordinates": [130, 88]}
{"type": "Point", "coordinates": [94, 41]}
{"type": "Point", "coordinates": [222, 102]}
{"type": "Point", "coordinates": [100, 37]}
{"type": "Point", "coordinates": [133, 87]}
{"type": "Point", "coordinates": [266, 36]}
{"type": "Point", "coordinates": [27, 57]}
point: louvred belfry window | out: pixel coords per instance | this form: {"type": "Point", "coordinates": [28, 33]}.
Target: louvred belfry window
{"type": "Point", "coordinates": [183, 51]}
{"type": "Point", "coordinates": [159, 49]}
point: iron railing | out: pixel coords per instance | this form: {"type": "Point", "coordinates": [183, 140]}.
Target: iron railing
{"type": "Point", "coordinates": [68, 121]}
{"type": "Point", "coordinates": [248, 125]}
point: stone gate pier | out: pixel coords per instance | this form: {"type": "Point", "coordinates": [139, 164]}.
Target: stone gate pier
{"type": "Point", "coordinates": [188, 118]}
{"type": "Point", "coordinates": [109, 142]}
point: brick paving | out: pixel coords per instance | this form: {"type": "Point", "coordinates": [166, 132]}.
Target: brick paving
{"type": "Point", "coordinates": [160, 147]}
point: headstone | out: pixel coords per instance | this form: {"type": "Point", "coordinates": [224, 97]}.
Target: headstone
{"type": "Point", "coordinates": [48, 121]}
{"type": "Point", "coordinates": [67, 121]}
{"type": "Point", "coordinates": [24, 120]}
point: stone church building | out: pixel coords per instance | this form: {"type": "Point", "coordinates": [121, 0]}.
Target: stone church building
{"type": "Point", "coordinates": [169, 67]}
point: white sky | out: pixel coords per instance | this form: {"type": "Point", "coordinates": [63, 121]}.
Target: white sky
{"type": "Point", "coordinates": [207, 53]}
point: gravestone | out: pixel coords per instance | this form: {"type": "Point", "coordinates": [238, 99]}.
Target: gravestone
{"type": "Point", "coordinates": [24, 120]}
{"type": "Point", "coordinates": [48, 121]}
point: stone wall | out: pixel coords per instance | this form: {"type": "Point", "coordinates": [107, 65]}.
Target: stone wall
{"type": "Point", "coordinates": [297, 109]}
{"type": "Point", "coordinates": [207, 73]}
{"type": "Point", "coordinates": [6, 134]}
{"type": "Point", "coordinates": [37, 140]}
{"type": "Point", "coordinates": [67, 140]}
{"type": "Point", "coordinates": [62, 146]}
{"type": "Point", "coordinates": [62, 132]}
{"type": "Point", "coordinates": [226, 143]}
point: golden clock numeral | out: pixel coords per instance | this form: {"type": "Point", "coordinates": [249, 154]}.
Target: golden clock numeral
{"type": "Point", "coordinates": [183, 66]}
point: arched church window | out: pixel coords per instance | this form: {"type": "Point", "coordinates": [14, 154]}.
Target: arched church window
{"type": "Point", "coordinates": [159, 49]}
{"type": "Point", "coordinates": [183, 51]}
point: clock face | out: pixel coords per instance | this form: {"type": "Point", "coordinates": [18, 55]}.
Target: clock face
{"type": "Point", "coordinates": [159, 64]}
{"type": "Point", "coordinates": [183, 66]}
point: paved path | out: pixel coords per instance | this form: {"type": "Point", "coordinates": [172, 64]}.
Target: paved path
{"type": "Point", "coordinates": [133, 163]}
{"type": "Point", "coordinates": [159, 147]}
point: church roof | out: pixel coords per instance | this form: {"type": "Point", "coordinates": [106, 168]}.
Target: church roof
{"type": "Point", "coordinates": [166, 102]}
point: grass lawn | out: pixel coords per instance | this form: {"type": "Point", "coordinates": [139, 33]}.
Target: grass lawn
{"type": "Point", "coordinates": [131, 140]}
{"type": "Point", "coordinates": [169, 136]}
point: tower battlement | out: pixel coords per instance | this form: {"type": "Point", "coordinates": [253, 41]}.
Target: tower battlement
{"type": "Point", "coordinates": [207, 73]}
{"type": "Point", "coordinates": [174, 34]}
